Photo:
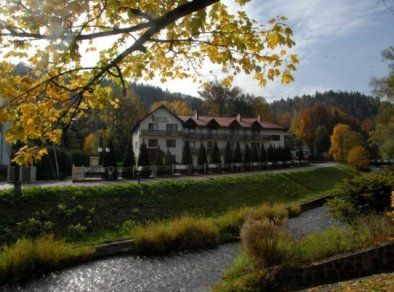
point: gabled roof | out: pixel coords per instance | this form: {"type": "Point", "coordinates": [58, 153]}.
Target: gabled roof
{"type": "Point", "coordinates": [152, 112]}
{"type": "Point", "coordinates": [224, 122]}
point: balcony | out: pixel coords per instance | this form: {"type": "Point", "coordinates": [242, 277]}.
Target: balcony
{"type": "Point", "coordinates": [204, 136]}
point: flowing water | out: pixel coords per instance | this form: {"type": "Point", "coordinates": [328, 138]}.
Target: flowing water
{"type": "Point", "coordinates": [193, 271]}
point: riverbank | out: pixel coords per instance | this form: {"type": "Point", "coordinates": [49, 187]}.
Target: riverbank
{"type": "Point", "coordinates": [92, 215]}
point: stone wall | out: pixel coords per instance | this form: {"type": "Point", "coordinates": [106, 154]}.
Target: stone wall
{"type": "Point", "coordinates": [339, 268]}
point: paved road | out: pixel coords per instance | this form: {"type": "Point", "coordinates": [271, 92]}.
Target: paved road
{"type": "Point", "coordinates": [68, 182]}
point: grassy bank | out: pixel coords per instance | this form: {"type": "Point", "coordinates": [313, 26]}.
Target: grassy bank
{"type": "Point", "coordinates": [95, 214]}
{"type": "Point", "coordinates": [257, 267]}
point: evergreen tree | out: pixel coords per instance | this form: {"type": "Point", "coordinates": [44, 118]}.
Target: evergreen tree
{"type": "Point", "coordinates": [168, 159]}
{"type": "Point", "coordinates": [247, 154]}
{"type": "Point", "coordinates": [237, 154]}
{"type": "Point", "coordinates": [263, 153]}
{"type": "Point", "coordinates": [128, 161]}
{"type": "Point", "coordinates": [143, 157]}
{"type": "Point", "coordinates": [288, 153]}
{"type": "Point", "coordinates": [322, 141]}
{"type": "Point", "coordinates": [300, 154]}
{"type": "Point", "coordinates": [186, 154]}
{"type": "Point", "coordinates": [270, 154]}
{"type": "Point", "coordinates": [159, 158]}
{"type": "Point", "coordinates": [228, 154]}
{"type": "Point", "coordinates": [110, 159]}
{"type": "Point", "coordinates": [255, 153]}
{"type": "Point", "coordinates": [202, 155]}
{"type": "Point", "coordinates": [215, 154]}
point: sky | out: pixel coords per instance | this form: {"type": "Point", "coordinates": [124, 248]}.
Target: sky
{"type": "Point", "coordinates": [339, 43]}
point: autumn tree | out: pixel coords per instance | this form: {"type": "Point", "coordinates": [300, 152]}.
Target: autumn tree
{"type": "Point", "coordinates": [359, 158]}
{"type": "Point", "coordinates": [321, 142]}
{"type": "Point", "coordinates": [178, 106]}
{"type": "Point", "coordinates": [343, 139]}
{"type": "Point", "coordinates": [143, 39]}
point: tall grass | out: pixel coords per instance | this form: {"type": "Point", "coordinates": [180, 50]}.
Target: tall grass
{"type": "Point", "coordinates": [28, 256]}
{"type": "Point", "coordinates": [191, 232]}
{"type": "Point", "coordinates": [266, 250]}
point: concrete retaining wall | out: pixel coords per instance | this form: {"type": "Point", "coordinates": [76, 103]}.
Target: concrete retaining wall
{"type": "Point", "coordinates": [357, 264]}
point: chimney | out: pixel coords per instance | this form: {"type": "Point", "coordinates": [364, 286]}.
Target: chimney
{"type": "Point", "coordinates": [238, 117]}
{"type": "Point", "coordinates": [258, 118]}
{"type": "Point", "coordinates": [195, 114]}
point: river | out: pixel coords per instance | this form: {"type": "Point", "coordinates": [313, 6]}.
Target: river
{"type": "Point", "coordinates": [183, 271]}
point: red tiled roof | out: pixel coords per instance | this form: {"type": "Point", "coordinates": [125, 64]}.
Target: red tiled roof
{"type": "Point", "coordinates": [225, 122]}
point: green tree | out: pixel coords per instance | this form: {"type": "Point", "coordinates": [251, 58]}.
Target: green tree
{"type": "Point", "coordinates": [215, 154]}
{"type": "Point", "coordinates": [110, 160]}
{"type": "Point", "coordinates": [186, 154]}
{"type": "Point", "coordinates": [322, 140]}
{"type": "Point", "coordinates": [384, 87]}
{"type": "Point", "coordinates": [202, 155]}
{"type": "Point", "coordinates": [143, 157]}
{"type": "Point", "coordinates": [237, 154]}
{"type": "Point", "coordinates": [228, 154]}
{"type": "Point", "coordinates": [255, 153]}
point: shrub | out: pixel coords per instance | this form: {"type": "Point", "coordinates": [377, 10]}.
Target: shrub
{"type": "Point", "coordinates": [270, 154]}
{"type": "Point", "coordinates": [365, 194]}
{"type": "Point", "coordinates": [168, 158]}
{"type": "Point", "coordinates": [265, 242]}
{"type": "Point", "coordinates": [159, 158]}
{"type": "Point", "coordinates": [180, 234]}
{"type": "Point", "coordinates": [80, 158]}
{"type": "Point", "coordinates": [36, 255]}
{"type": "Point", "coordinates": [359, 158]}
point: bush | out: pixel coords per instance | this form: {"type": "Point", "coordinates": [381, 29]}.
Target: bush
{"type": "Point", "coordinates": [365, 194]}
{"type": "Point", "coordinates": [43, 254]}
{"type": "Point", "coordinates": [80, 158]}
{"type": "Point", "coordinates": [181, 234]}
{"type": "Point", "coordinates": [265, 242]}
{"type": "Point", "coordinates": [359, 158]}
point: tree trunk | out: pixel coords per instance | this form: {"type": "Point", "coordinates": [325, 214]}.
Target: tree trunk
{"type": "Point", "coordinates": [17, 182]}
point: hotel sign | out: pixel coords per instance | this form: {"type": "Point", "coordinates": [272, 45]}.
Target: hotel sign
{"type": "Point", "coordinates": [159, 119]}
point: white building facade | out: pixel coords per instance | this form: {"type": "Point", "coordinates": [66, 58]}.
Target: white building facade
{"type": "Point", "coordinates": [162, 129]}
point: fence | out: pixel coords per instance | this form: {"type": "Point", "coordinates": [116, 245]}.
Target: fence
{"type": "Point", "coordinates": [27, 174]}
{"type": "Point", "coordinates": [99, 173]}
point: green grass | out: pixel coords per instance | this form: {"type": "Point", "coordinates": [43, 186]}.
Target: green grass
{"type": "Point", "coordinates": [96, 214]}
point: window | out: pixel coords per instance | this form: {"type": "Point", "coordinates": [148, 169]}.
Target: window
{"type": "Point", "coordinates": [171, 143]}
{"type": "Point", "coordinates": [153, 126]}
{"type": "Point", "coordinates": [172, 127]}
{"type": "Point", "coordinates": [190, 130]}
{"type": "Point", "coordinates": [153, 143]}
{"type": "Point", "coordinates": [275, 137]}
{"type": "Point", "coordinates": [192, 144]}
{"type": "Point", "coordinates": [255, 132]}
